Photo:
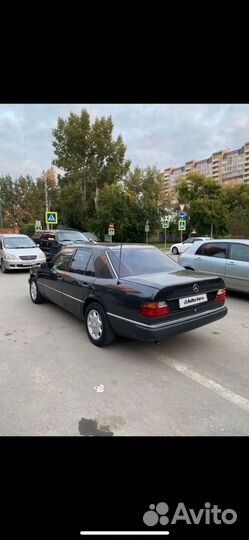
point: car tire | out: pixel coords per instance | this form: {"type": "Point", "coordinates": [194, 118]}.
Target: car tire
{"type": "Point", "coordinates": [98, 327]}
{"type": "Point", "coordinates": [35, 294]}
{"type": "Point", "coordinates": [175, 251]}
{"type": "Point", "coordinates": [3, 267]}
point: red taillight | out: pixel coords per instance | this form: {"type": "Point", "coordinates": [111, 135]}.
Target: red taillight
{"type": "Point", "coordinates": [155, 309]}
{"type": "Point", "coordinates": [221, 295]}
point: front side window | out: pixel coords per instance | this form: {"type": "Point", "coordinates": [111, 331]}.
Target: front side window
{"type": "Point", "coordinates": [62, 261]}
{"type": "Point", "coordinates": [213, 250]}
{"type": "Point", "coordinates": [90, 269]}
{"type": "Point", "coordinates": [239, 252]}
{"type": "Point", "coordinates": [80, 260]}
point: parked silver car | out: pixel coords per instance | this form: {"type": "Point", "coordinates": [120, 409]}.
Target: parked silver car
{"type": "Point", "coordinates": [228, 259]}
{"type": "Point", "coordinates": [19, 251]}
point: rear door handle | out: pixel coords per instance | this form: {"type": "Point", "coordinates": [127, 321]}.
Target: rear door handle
{"type": "Point", "coordinates": [197, 258]}
{"type": "Point", "coordinates": [231, 262]}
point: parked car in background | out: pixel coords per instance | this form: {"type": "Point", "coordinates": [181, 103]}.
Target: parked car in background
{"type": "Point", "coordinates": [228, 259]}
{"type": "Point", "coordinates": [182, 246]}
{"type": "Point", "coordinates": [91, 237]}
{"type": "Point", "coordinates": [51, 241]}
{"type": "Point", "coordinates": [18, 251]}
{"type": "Point", "coordinates": [136, 292]}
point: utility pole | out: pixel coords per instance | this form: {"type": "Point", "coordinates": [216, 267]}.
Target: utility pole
{"type": "Point", "coordinates": [46, 196]}
{"type": "Point", "coordinates": [1, 208]}
{"type": "Point", "coordinates": [1, 214]}
{"type": "Point", "coordinates": [212, 224]}
{"type": "Point", "coordinates": [147, 228]}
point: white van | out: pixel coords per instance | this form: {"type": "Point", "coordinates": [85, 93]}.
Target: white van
{"type": "Point", "coordinates": [18, 251]}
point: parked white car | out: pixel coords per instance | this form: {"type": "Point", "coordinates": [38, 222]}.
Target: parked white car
{"type": "Point", "coordinates": [182, 246]}
{"type": "Point", "coordinates": [18, 251]}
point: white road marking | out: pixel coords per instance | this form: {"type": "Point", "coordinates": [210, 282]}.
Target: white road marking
{"type": "Point", "coordinates": [223, 392]}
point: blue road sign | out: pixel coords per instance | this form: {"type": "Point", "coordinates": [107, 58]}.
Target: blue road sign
{"type": "Point", "coordinates": [51, 217]}
{"type": "Point", "coordinates": [182, 215]}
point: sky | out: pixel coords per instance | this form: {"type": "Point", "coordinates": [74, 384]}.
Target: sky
{"type": "Point", "coordinates": [162, 135]}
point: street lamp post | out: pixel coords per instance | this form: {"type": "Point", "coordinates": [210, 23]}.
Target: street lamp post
{"type": "Point", "coordinates": [1, 208]}
{"type": "Point", "coordinates": [47, 201]}
{"type": "Point", "coordinates": [46, 197]}
{"type": "Point", "coordinates": [212, 224]}
{"type": "Point", "coordinates": [1, 214]}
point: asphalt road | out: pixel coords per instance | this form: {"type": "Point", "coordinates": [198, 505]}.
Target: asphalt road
{"type": "Point", "coordinates": [53, 381]}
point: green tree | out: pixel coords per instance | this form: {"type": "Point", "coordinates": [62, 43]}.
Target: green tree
{"type": "Point", "coordinates": [145, 191]}
{"type": "Point", "coordinates": [237, 201]}
{"type": "Point", "coordinates": [90, 159]}
{"type": "Point", "coordinates": [207, 208]}
{"type": "Point", "coordinates": [6, 199]}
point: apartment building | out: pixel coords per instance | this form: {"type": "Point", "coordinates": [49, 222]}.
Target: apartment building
{"type": "Point", "coordinates": [226, 166]}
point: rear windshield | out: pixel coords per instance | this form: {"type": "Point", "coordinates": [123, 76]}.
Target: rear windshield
{"type": "Point", "coordinates": [141, 261]}
{"type": "Point", "coordinates": [72, 236]}
{"type": "Point", "coordinates": [18, 242]}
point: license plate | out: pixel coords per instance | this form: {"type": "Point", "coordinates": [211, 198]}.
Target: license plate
{"type": "Point", "coordinates": [192, 300]}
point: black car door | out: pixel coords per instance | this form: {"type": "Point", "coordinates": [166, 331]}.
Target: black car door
{"type": "Point", "coordinates": [52, 279]}
{"type": "Point", "coordinates": [78, 281]}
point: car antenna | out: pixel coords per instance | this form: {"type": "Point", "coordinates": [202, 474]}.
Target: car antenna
{"type": "Point", "coordinates": [119, 265]}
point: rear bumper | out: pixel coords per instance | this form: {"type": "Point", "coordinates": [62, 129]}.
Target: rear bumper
{"type": "Point", "coordinates": [159, 332]}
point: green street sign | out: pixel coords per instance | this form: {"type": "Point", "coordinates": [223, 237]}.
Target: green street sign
{"type": "Point", "coordinates": [51, 217]}
{"type": "Point", "coordinates": [111, 231]}
{"type": "Point", "coordinates": [182, 225]}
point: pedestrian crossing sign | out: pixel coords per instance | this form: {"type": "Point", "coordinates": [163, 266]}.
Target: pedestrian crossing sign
{"type": "Point", "coordinates": [51, 217]}
{"type": "Point", "coordinates": [182, 225]}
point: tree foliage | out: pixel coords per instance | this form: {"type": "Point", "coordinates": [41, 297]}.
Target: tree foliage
{"type": "Point", "coordinates": [90, 159]}
{"type": "Point", "coordinates": [205, 199]}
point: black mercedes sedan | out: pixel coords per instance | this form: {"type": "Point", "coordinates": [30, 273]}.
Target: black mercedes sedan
{"type": "Point", "coordinates": [130, 290]}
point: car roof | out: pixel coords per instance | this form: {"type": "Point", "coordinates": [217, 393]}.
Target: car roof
{"type": "Point", "coordinates": [58, 230]}
{"type": "Point", "coordinates": [229, 240]}
{"type": "Point", "coordinates": [14, 234]}
{"type": "Point", "coordinates": [111, 246]}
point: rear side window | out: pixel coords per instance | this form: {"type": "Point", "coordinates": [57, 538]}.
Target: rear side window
{"type": "Point", "coordinates": [239, 252]}
{"type": "Point", "coordinates": [80, 260]}
{"type": "Point", "coordinates": [213, 250]}
{"type": "Point", "coordinates": [1, 245]}
{"type": "Point", "coordinates": [188, 241]}
{"type": "Point", "coordinates": [102, 269]}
